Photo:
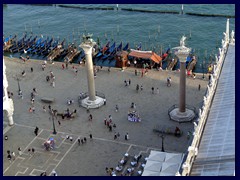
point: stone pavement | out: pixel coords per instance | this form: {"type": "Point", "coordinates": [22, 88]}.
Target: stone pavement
{"type": "Point", "coordinates": [91, 158]}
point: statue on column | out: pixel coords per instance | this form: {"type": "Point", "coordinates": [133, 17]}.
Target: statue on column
{"type": "Point", "coordinates": [232, 37]}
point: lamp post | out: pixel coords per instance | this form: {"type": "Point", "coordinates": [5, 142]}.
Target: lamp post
{"type": "Point", "coordinates": [203, 64]}
{"type": "Point", "coordinates": [162, 136]}
{"type": "Point", "coordinates": [19, 89]}
{"type": "Point", "coordinates": [54, 129]}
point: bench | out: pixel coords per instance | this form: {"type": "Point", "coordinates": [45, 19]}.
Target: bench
{"type": "Point", "coordinates": [47, 99]}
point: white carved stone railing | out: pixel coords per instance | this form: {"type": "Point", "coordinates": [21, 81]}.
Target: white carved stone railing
{"type": "Point", "coordinates": [203, 112]}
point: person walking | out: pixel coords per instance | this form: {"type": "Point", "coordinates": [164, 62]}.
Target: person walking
{"type": "Point", "coordinates": [116, 108]}
{"type": "Point", "coordinates": [129, 82]}
{"type": "Point", "coordinates": [19, 151]}
{"type": "Point", "coordinates": [90, 117]}
{"type": "Point", "coordinates": [90, 135]}
{"type": "Point", "coordinates": [137, 87]}
{"type": "Point", "coordinates": [31, 69]}
{"type": "Point", "coordinates": [63, 66]}
{"type": "Point", "coordinates": [9, 157]}
{"type": "Point", "coordinates": [13, 156]}
{"type": "Point", "coordinates": [135, 72]}
{"type": "Point", "coordinates": [33, 151]}
{"type": "Point", "coordinates": [199, 87]}
{"type": "Point", "coordinates": [126, 136]}
{"type": "Point", "coordinates": [152, 90]}
{"type": "Point", "coordinates": [36, 131]}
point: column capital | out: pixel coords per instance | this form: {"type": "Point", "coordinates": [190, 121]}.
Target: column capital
{"type": "Point", "coordinates": [87, 48]}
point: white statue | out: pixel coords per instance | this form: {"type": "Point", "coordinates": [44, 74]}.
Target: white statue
{"type": "Point", "coordinates": [182, 41]}
{"type": "Point", "coordinates": [232, 37]}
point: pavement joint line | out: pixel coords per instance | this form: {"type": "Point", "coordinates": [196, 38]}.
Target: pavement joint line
{"type": "Point", "coordinates": [129, 148]}
{"type": "Point", "coordinates": [66, 153]}
{"type": "Point", "coordinates": [93, 137]}
{"type": "Point", "coordinates": [23, 151]}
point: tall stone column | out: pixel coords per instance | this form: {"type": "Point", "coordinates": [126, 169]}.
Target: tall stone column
{"type": "Point", "coordinates": [182, 113]}
{"type": "Point", "coordinates": [93, 100]}
{"type": "Point", "coordinates": [227, 32]}
{"type": "Point", "coordinates": [182, 87]}
{"type": "Point", "coordinates": [7, 103]}
{"type": "Point", "coordinates": [91, 84]}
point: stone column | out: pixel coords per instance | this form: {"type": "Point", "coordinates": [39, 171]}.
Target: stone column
{"type": "Point", "coordinates": [182, 88]}
{"type": "Point", "coordinates": [91, 84]}
{"type": "Point", "coordinates": [227, 32]}
{"type": "Point", "coordinates": [7, 103]}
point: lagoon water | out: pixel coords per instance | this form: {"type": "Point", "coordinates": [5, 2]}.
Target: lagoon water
{"type": "Point", "coordinates": [154, 30]}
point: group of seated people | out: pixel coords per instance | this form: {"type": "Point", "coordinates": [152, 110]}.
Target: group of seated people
{"type": "Point", "coordinates": [68, 114]}
{"type": "Point", "coordinates": [133, 116]}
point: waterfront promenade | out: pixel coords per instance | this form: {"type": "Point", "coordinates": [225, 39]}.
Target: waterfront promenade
{"type": "Point", "coordinates": [91, 158]}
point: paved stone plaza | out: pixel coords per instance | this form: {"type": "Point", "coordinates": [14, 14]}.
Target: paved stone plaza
{"type": "Point", "coordinates": [70, 159]}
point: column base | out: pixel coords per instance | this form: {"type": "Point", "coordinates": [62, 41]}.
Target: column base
{"type": "Point", "coordinates": [178, 116]}
{"type": "Point", "coordinates": [98, 102]}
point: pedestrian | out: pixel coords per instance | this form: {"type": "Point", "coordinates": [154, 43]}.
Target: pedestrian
{"type": "Point", "coordinates": [62, 66]}
{"type": "Point", "coordinates": [50, 108]}
{"type": "Point", "coordinates": [71, 138]}
{"type": "Point", "coordinates": [79, 141]}
{"type": "Point", "coordinates": [53, 173]}
{"type": "Point", "coordinates": [53, 84]}
{"type": "Point", "coordinates": [43, 67]}
{"type": "Point", "coordinates": [43, 174]}
{"type": "Point", "coordinates": [6, 137]}
{"type": "Point", "coordinates": [47, 78]}
{"type": "Point", "coordinates": [36, 131]}
{"type": "Point", "coordinates": [110, 119]}
{"type": "Point", "coordinates": [9, 157]}
{"type": "Point", "coordinates": [199, 87]}
{"type": "Point", "coordinates": [34, 91]}
{"type": "Point", "coordinates": [44, 109]}
{"type": "Point", "coordinates": [157, 90]}
{"type": "Point", "coordinates": [142, 72]}
{"type": "Point", "coordinates": [135, 72]}
{"type": "Point", "coordinates": [129, 82]}
{"type": "Point", "coordinates": [29, 151]}
{"type": "Point", "coordinates": [114, 125]}
{"type": "Point", "coordinates": [125, 82]}
{"type": "Point", "coordinates": [169, 81]}
{"type": "Point", "coordinates": [137, 87]}
{"type": "Point", "coordinates": [152, 90]}
{"type": "Point", "coordinates": [33, 150]}
{"type": "Point", "coordinates": [109, 69]}
{"type": "Point", "coordinates": [90, 117]}
{"type": "Point", "coordinates": [76, 71]}
{"type": "Point", "coordinates": [115, 136]}
{"type": "Point", "coordinates": [19, 151]}
{"type": "Point", "coordinates": [105, 121]}
{"type": "Point", "coordinates": [116, 108]}
{"type": "Point", "coordinates": [110, 128]}
{"type": "Point", "coordinates": [32, 100]}
{"type": "Point", "coordinates": [31, 69]}
{"type": "Point", "coordinates": [141, 87]}
{"type": "Point", "coordinates": [33, 109]}
{"type": "Point", "coordinates": [90, 136]}
{"type": "Point", "coordinates": [108, 124]}
{"type": "Point", "coordinates": [85, 139]}
{"type": "Point", "coordinates": [82, 141]}
{"type": "Point", "coordinates": [66, 64]}
{"type": "Point", "coordinates": [126, 136]}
